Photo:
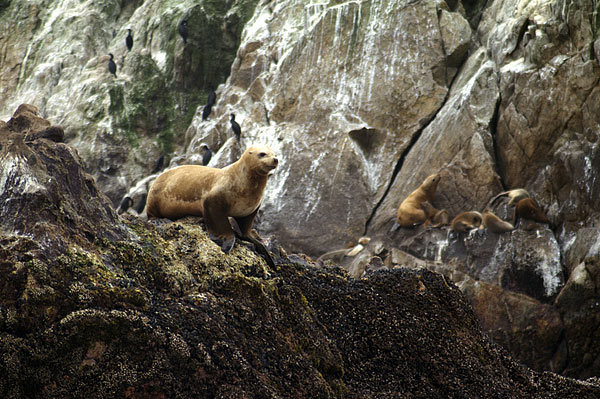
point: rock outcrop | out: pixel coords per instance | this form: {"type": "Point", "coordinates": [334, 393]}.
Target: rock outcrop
{"type": "Point", "coordinates": [361, 100]}
{"type": "Point", "coordinates": [140, 309]}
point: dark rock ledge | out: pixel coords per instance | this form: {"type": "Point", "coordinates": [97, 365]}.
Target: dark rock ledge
{"type": "Point", "coordinates": [96, 306]}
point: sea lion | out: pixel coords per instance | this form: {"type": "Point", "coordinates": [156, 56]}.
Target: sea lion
{"type": "Point", "coordinates": [435, 217]}
{"type": "Point", "coordinates": [494, 224]}
{"type": "Point", "coordinates": [529, 209]}
{"type": "Point", "coordinates": [466, 221]}
{"type": "Point", "coordinates": [515, 196]}
{"type": "Point", "coordinates": [351, 250]}
{"type": "Point", "coordinates": [215, 194]}
{"type": "Point", "coordinates": [410, 211]}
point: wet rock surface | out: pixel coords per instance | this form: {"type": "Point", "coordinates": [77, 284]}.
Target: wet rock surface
{"type": "Point", "coordinates": [158, 310]}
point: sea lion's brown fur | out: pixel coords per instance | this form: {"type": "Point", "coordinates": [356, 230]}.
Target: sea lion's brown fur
{"type": "Point", "coordinates": [529, 209]}
{"type": "Point", "coordinates": [515, 196]}
{"type": "Point", "coordinates": [466, 221]}
{"type": "Point", "coordinates": [215, 194]}
{"type": "Point", "coordinates": [410, 211]}
{"type": "Point", "coordinates": [494, 224]}
{"type": "Point", "coordinates": [435, 217]}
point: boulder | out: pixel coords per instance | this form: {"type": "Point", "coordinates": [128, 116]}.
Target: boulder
{"type": "Point", "coordinates": [154, 309]}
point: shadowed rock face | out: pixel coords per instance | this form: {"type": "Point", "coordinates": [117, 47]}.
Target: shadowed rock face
{"type": "Point", "coordinates": [36, 174]}
{"type": "Point", "coordinates": [160, 311]}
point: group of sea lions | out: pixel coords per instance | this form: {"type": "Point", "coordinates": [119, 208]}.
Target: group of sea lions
{"type": "Point", "coordinates": [417, 209]}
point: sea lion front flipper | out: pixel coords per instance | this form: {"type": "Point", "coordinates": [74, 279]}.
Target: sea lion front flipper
{"type": "Point", "coordinates": [217, 224]}
{"type": "Point", "coordinates": [225, 244]}
{"type": "Point", "coordinates": [228, 244]}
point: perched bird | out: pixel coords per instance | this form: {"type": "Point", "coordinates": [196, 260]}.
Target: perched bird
{"type": "Point", "coordinates": [129, 40]}
{"type": "Point", "coordinates": [183, 31]}
{"type": "Point", "coordinates": [125, 204]}
{"type": "Point", "coordinates": [235, 127]}
{"type": "Point", "coordinates": [158, 165]}
{"type": "Point", "coordinates": [206, 111]}
{"type": "Point", "coordinates": [207, 154]}
{"type": "Point", "coordinates": [141, 204]}
{"type": "Point", "coordinates": [112, 67]}
{"type": "Point", "coordinates": [212, 96]}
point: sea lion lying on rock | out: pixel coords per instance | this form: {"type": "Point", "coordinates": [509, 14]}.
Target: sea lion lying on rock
{"type": "Point", "coordinates": [494, 224]}
{"type": "Point", "coordinates": [529, 209]}
{"type": "Point", "coordinates": [466, 221]}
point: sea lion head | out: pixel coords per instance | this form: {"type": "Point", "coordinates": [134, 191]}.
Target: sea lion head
{"type": "Point", "coordinates": [261, 159]}
{"type": "Point", "coordinates": [431, 182]}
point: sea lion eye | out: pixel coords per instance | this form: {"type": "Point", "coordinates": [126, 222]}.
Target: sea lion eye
{"type": "Point", "coordinates": [262, 155]}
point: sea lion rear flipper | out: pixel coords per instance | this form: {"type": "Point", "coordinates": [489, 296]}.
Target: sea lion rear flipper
{"type": "Point", "coordinates": [260, 248]}
{"type": "Point", "coordinates": [395, 227]}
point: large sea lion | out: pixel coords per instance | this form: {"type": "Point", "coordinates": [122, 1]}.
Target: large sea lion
{"type": "Point", "coordinates": [410, 212]}
{"type": "Point", "coordinates": [529, 209]}
{"type": "Point", "coordinates": [494, 224]}
{"type": "Point", "coordinates": [466, 221]}
{"type": "Point", "coordinates": [215, 194]}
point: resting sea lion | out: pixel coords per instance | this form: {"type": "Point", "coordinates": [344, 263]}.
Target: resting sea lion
{"type": "Point", "coordinates": [466, 221]}
{"type": "Point", "coordinates": [529, 209]}
{"type": "Point", "coordinates": [435, 217]}
{"type": "Point", "coordinates": [410, 211]}
{"type": "Point", "coordinates": [215, 194]}
{"type": "Point", "coordinates": [494, 224]}
{"type": "Point", "coordinates": [515, 196]}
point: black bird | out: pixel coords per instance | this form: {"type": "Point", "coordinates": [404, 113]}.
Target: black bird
{"type": "Point", "coordinates": [235, 127]}
{"type": "Point", "coordinates": [125, 204]}
{"type": "Point", "coordinates": [183, 31]}
{"type": "Point", "coordinates": [142, 204]}
{"type": "Point", "coordinates": [207, 154]}
{"type": "Point", "coordinates": [129, 40]}
{"type": "Point", "coordinates": [112, 67]}
{"type": "Point", "coordinates": [158, 165]}
{"type": "Point", "coordinates": [206, 111]}
{"type": "Point", "coordinates": [212, 96]}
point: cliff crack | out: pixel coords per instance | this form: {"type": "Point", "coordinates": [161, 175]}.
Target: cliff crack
{"type": "Point", "coordinates": [415, 137]}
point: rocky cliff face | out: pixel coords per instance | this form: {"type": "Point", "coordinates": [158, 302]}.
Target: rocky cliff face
{"type": "Point", "coordinates": [154, 309]}
{"type": "Point", "coordinates": [362, 100]}
{"type": "Point", "coordinates": [55, 56]}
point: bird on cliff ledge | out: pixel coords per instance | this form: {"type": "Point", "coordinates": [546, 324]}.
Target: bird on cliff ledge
{"type": "Point", "coordinates": [183, 31]}
{"type": "Point", "coordinates": [112, 67]}
{"type": "Point", "coordinates": [235, 127]}
{"type": "Point", "coordinates": [129, 40]}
